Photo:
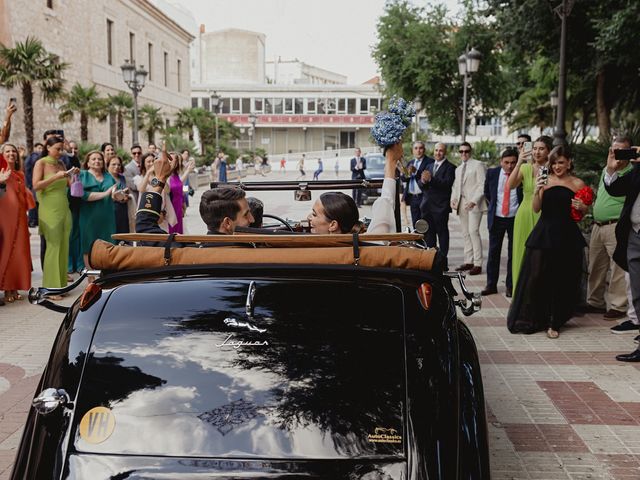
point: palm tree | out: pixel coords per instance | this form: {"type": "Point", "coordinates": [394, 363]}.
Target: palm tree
{"type": "Point", "coordinates": [187, 118]}
{"type": "Point", "coordinates": [151, 121]}
{"type": "Point", "coordinates": [86, 102]}
{"type": "Point", "coordinates": [121, 105]}
{"type": "Point", "coordinates": [28, 65]}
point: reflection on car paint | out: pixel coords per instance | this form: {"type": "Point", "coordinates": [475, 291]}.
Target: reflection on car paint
{"type": "Point", "coordinates": [229, 416]}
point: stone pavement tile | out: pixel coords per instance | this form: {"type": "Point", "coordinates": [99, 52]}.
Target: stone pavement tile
{"type": "Point", "coordinates": [629, 435]}
{"type": "Point", "coordinates": [586, 403]}
{"type": "Point", "coordinates": [544, 438]}
{"type": "Point", "coordinates": [514, 396]}
{"type": "Point", "coordinates": [601, 439]}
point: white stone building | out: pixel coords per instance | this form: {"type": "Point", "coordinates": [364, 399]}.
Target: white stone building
{"type": "Point", "coordinates": [95, 37]}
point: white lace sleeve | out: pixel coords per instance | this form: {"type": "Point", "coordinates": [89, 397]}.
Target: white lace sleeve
{"type": "Point", "coordinates": [383, 219]}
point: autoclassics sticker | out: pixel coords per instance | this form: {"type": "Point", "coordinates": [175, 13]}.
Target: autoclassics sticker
{"type": "Point", "coordinates": [384, 435]}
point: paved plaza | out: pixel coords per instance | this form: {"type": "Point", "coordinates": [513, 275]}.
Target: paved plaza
{"type": "Point", "coordinates": [557, 409]}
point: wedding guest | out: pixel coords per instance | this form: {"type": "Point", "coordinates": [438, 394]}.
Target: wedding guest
{"type": "Point", "coordinates": [357, 165]}
{"type": "Point", "coordinates": [51, 180]}
{"type": "Point", "coordinates": [549, 283]}
{"type": "Point", "coordinates": [437, 178]}
{"type": "Point", "coordinates": [15, 254]}
{"type": "Point", "coordinates": [627, 252]}
{"type": "Point", "coordinates": [143, 184]}
{"type": "Point", "coordinates": [412, 195]}
{"type": "Point", "coordinates": [5, 127]}
{"type": "Point", "coordinates": [28, 172]}
{"type": "Point", "coordinates": [97, 220]}
{"type": "Point", "coordinates": [176, 183]}
{"type": "Point", "coordinates": [122, 199]}
{"type": "Point", "coordinates": [605, 276]}
{"type": "Point", "coordinates": [76, 262]}
{"type": "Point", "coordinates": [525, 174]}
{"type": "Point", "coordinates": [503, 205]}
{"type": "Point", "coordinates": [108, 151]}
{"type": "Point", "coordinates": [185, 160]}
{"type": "Point", "coordinates": [467, 200]}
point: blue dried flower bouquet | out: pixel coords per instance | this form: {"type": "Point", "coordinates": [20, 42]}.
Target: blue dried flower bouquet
{"type": "Point", "coordinates": [389, 126]}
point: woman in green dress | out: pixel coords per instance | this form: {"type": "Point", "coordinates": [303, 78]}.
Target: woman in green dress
{"type": "Point", "coordinates": [97, 217]}
{"type": "Point", "coordinates": [525, 174]}
{"type": "Point", "coordinates": [50, 181]}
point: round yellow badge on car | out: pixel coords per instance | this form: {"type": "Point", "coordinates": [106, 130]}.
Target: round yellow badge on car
{"type": "Point", "coordinates": [97, 425]}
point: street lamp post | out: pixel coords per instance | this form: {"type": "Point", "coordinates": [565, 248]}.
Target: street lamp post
{"type": "Point", "coordinates": [134, 78]}
{"type": "Point", "coordinates": [252, 120]}
{"type": "Point", "coordinates": [215, 104]}
{"type": "Point", "coordinates": [553, 101]}
{"type": "Point", "coordinates": [468, 63]}
{"type": "Point", "coordinates": [560, 134]}
{"type": "Point", "coordinates": [417, 104]}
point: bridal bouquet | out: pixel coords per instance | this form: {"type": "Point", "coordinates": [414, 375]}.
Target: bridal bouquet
{"type": "Point", "coordinates": [389, 126]}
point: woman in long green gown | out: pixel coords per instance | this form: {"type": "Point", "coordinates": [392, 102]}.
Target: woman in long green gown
{"type": "Point", "coordinates": [97, 217]}
{"type": "Point", "coordinates": [50, 181]}
{"type": "Point", "coordinates": [525, 173]}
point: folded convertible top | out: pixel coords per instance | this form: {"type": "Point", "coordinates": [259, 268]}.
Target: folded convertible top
{"type": "Point", "coordinates": [106, 256]}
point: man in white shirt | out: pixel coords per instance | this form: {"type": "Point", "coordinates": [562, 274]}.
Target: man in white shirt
{"type": "Point", "coordinates": [503, 205]}
{"type": "Point", "coordinates": [414, 186]}
{"type": "Point", "coordinates": [467, 200]}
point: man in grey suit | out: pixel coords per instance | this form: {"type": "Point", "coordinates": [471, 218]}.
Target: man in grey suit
{"type": "Point", "coordinates": [132, 169]}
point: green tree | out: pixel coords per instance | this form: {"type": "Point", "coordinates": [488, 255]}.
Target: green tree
{"type": "Point", "coordinates": [87, 103]}
{"type": "Point", "coordinates": [601, 68]}
{"type": "Point", "coordinates": [29, 65]}
{"type": "Point", "coordinates": [417, 53]}
{"type": "Point", "coordinates": [151, 121]}
{"type": "Point", "coordinates": [187, 118]}
{"type": "Point", "coordinates": [120, 105]}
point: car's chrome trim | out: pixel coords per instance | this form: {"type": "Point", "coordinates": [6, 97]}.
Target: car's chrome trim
{"type": "Point", "coordinates": [38, 295]}
{"type": "Point", "coordinates": [472, 302]}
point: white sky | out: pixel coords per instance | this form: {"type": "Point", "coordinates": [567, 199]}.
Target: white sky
{"type": "Point", "coordinates": [337, 35]}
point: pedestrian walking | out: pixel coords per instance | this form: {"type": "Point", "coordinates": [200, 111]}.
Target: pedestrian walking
{"type": "Point", "coordinates": [316, 174]}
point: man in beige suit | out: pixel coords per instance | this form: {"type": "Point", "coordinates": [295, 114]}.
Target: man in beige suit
{"type": "Point", "coordinates": [467, 200]}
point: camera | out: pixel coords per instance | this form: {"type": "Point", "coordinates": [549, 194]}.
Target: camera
{"type": "Point", "coordinates": [626, 153]}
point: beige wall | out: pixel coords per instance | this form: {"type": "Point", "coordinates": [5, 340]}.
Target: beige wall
{"type": "Point", "coordinates": [76, 31]}
{"type": "Point", "coordinates": [234, 56]}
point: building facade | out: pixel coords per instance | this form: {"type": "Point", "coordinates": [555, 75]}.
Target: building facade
{"type": "Point", "coordinates": [95, 38]}
{"type": "Point", "coordinates": [296, 118]}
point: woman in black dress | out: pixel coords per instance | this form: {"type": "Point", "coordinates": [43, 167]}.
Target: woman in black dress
{"type": "Point", "coordinates": [549, 282]}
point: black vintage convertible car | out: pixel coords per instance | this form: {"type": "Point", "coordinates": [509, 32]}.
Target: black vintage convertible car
{"type": "Point", "coordinates": [310, 357]}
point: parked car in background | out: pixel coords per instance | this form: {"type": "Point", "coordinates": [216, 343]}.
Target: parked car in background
{"type": "Point", "coordinates": [374, 171]}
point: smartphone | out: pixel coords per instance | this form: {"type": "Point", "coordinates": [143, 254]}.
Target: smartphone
{"type": "Point", "coordinates": [626, 153]}
{"type": "Point", "coordinates": [13, 100]}
{"type": "Point", "coordinates": [527, 147]}
{"type": "Point", "coordinates": [544, 172]}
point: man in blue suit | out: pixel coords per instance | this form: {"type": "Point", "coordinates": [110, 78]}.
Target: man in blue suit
{"type": "Point", "coordinates": [503, 205]}
{"type": "Point", "coordinates": [414, 186]}
{"type": "Point", "coordinates": [438, 178]}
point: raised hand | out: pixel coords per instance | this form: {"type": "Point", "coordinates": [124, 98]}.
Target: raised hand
{"type": "Point", "coordinates": [164, 164]}
{"type": "Point", "coordinates": [5, 173]}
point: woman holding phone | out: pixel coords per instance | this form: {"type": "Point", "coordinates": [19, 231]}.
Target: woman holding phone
{"type": "Point", "coordinates": [97, 220]}
{"type": "Point", "coordinates": [15, 254]}
{"type": "Point", "coordinates": [548, 287]}
{"type": "Point", "coordinates": [525, 174]}
{"type": "Point", "coordinates": [51, 180]}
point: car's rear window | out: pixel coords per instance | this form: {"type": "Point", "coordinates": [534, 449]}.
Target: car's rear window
{"type": "Point", "coordinates": [318, 372]}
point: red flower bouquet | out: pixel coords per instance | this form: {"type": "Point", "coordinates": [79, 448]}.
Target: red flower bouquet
{"type": "Point", "coordinates": [585, 194]}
